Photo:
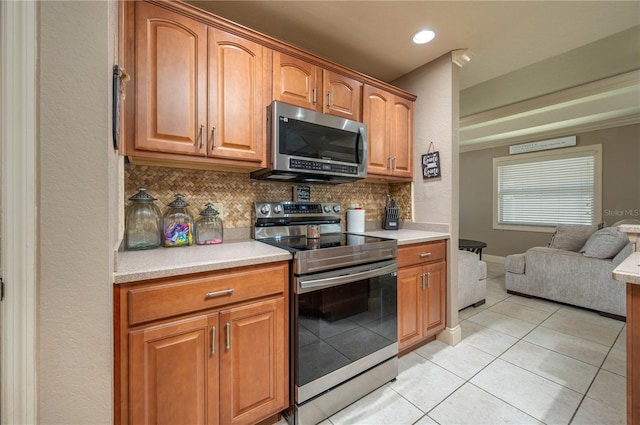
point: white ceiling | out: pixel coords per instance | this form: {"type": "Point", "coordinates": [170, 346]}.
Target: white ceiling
{"type": "Point", "coordinates": [373, 37]}
{"type": "Point", "coordinates": [508, 39]}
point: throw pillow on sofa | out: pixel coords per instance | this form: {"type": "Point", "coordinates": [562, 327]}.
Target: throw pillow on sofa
{"type": "Point", "coordinates": [605, 243]}
{"type": "Point", "coordinates": [572, 237]}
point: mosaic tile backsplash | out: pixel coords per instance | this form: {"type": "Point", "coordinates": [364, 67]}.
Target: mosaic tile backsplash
{"type": "Point", "coordinates": [237, 192]}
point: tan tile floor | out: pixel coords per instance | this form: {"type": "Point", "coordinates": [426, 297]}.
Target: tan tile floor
{"type": "Point", "coordinates": [521, 361]}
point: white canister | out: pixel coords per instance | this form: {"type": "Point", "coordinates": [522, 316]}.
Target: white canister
{"type": "Point", "coordinates": [355, 220]}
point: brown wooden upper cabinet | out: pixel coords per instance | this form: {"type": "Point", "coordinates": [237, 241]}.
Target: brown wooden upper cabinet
{"type": "Point", "coordinates": [201, 86]}
{"type": "Point", "coordinates": [389, 120]}
{"type": "Point", "coordinates": [304, 84]}
{"type": "Point", "coordinates": [199, 91]}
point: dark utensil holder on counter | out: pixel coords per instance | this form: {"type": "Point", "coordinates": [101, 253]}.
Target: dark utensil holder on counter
{"type": "Point", "coordinates": [391, 218]}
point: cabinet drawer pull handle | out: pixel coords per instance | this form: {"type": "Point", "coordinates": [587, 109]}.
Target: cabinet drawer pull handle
{"type": "Point", "coordinates": [218, 293]}
{"type": "Point", "coordinates": [228, 329]}
{"type": "Point", "coordinates": [213, 138]}
{"type": "Point", "coordinates": [200, 135]}
{"type": "Point", "coordinates": [425, 254]}
{"type": "Point", "coordinates": [213, 340]}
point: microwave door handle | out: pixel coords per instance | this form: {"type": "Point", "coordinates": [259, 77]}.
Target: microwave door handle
{"type": "Point", "coordinates": [362, 160]}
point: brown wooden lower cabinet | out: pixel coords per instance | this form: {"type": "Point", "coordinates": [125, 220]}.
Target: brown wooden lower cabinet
{"type": "Point", "coordinates": [189, 350]}
{"type": "Point", "coordinates": [422, 283]}
{"type": "Point", "coordinates": [171, 371]}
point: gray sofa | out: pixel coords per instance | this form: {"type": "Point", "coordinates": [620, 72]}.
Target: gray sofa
{"type": "Point", "coordinates": [575, 270]}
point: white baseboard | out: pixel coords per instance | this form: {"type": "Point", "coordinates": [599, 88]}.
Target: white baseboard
{"type": "Point", "coordinates": [493, 259]}
{"type": "Point", "coordinates": [451, 336]}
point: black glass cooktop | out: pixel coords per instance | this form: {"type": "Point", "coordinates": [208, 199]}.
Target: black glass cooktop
{"type": "Point", "coordinates": [330, 240]}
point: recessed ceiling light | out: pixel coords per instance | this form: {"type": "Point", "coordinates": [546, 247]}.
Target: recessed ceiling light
{"type": "Point", "coordinates": [423, 36]}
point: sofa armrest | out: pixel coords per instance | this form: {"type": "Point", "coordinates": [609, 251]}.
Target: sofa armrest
{"type": "Point", "coordinates": [622, 255]}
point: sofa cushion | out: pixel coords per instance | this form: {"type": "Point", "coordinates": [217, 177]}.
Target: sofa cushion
{"type": "Point", "coordinates": [572, 237]}
{"type": "Point", "coordinates": [605, 243]}
{"type": "Point", "coordinates": [515, 263]}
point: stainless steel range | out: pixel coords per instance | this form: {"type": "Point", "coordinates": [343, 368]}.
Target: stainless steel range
{"type": "Point", "coordinates": [343, 293]}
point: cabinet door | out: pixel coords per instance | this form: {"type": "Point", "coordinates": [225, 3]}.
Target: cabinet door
{"type": "Point", "coordinates": [402, 138]}
{"type": "Point", "coordinates": [237, 97]}
{"type": "Point", "coordinates": [436, 295]}
{"type": "Point", "coordinates": [296, 82]}
{"type": "Point", "coordinates": [173, 371]}
{"type": "Point", "coordinates": [410, 306]}
{"type": "Point", "coordinates": [253, 374]}
{"type": "Point", "coordinates": [376, 110]}
{"type": "Point", "coordinates": [342, 96]}
{"type": "Point", "coordinates": [170, 77]}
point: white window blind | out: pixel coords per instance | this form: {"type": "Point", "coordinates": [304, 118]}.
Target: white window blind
{"type": "Point", "coordinates": [547, 189]}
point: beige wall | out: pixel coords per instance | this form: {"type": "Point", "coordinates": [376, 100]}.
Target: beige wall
{"type": "Point", "coordinates": [604, 58]}
{"type": "Point", "coordinates": [436, 117]}
{"type": "Point", "coordinates": [620, 189]}
{"type": "Point", "coordinates": [78, 213]}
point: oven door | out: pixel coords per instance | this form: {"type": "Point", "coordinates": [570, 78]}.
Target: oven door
{"type": "Point", "coordinates": [344, 323]}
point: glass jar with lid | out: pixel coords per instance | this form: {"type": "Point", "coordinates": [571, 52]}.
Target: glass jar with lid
{"type": "Point", "coordinates": [177, 227]}
{"type": "Point", "coordinates": [209, 227]}
{"type": "Point", "coordinates": [143, 224]}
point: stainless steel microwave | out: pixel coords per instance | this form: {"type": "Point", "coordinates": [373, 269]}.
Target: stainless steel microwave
{"type": "Point", "coordinates": [308, 146]}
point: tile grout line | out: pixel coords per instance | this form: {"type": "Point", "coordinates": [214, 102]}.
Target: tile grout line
{"type": "Point", "coordinates": [468, 381]}
{"type": "Point", "coordinates": [596, 376]}
{"type": "Point", "coordinates": [522, 338]}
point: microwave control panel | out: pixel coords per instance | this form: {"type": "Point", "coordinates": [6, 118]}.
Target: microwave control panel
{"type": "Point", "coordinates": [304, 164]}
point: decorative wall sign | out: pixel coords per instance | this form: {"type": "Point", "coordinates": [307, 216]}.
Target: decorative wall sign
{"type": "Point", "coordinates": [431, 163]}
{"type": "Point", "coordinates": [561, 142]}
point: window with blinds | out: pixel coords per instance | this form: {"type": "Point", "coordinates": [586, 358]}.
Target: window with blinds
{"type": "Point", "coordinates": [538, 191]}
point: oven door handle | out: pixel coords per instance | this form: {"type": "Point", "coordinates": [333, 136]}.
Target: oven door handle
{"type": "Point", "coordinates": [327, 282]}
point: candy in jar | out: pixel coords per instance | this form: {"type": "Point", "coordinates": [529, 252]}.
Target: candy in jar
{"type": "Point", "coordinates": [177, 224]}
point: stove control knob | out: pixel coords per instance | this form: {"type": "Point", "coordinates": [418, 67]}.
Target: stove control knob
{"type": "Point", "coordinates": [265, 209]}
{"type": "Point", "coordinates": [327, 209]}
{"type": "Point", "coordinates": [336, 208]}
{"type": "Point", "coordinates": [277, 209]}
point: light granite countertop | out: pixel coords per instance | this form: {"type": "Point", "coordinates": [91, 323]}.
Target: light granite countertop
{"type": "Point", "coordinates": [629, 270]}
{"type": "Point", "coordinates": [409, 236]}
{"type": "Point", "coordinates": [629, 228]}
{"type": "Point", "coordinates": [133, 266]}
{"type": "Point", "coordinates": [164, 262]}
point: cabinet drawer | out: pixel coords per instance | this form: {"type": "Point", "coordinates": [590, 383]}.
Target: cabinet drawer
{"type": "Point", "coordinates": [421, 253]}
{"type": "Point", "coordinates": [184, 295]}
